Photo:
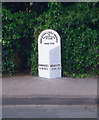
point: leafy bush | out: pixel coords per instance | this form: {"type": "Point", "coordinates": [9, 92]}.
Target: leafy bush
{"type": "Point", "coordinates": [77, 26]}
{"type": "Point", "coordinates": [7, 56]}
{"type": "Point", "coordinates": [18, 31]}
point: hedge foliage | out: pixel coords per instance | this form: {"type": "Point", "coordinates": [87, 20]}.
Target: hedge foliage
{"type": "Point", "coordinates": [78, 29]}
{"type": "Point", "coordinates": [18, 31]}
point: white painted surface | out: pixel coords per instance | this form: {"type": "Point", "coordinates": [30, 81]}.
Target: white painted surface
{"type": "Point", "coordinates": [49, 54]}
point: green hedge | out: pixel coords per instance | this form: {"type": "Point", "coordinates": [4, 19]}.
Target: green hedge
{"type": "Point", "coordinates": [18, 29]}
{"type": "Point", "coordinates": [77, 26]}
{"type": "Point", "coordinates": [7, 51]}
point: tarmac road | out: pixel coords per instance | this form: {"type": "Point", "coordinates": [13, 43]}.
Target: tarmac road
{"type": "Point", "coordinates": [49, 111]}
{"type": "Point", "coordinates": [34, 97]}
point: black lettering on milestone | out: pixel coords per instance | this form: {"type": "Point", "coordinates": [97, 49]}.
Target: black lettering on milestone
{"type": "Point", "coordinates": [47, 35]}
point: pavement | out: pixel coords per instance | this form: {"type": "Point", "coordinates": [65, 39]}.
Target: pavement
{"type": "Point", "coordinates": [33, 97]}
{"type": "Point", "coordinates": [34, 90]}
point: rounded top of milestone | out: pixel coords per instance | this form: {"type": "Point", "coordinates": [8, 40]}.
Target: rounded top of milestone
{"type": "Point", "coordinates": [49, 37]}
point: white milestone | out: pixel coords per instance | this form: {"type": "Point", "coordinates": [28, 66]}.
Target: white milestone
{"type": "Point", "coordinates": [49, 54]}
